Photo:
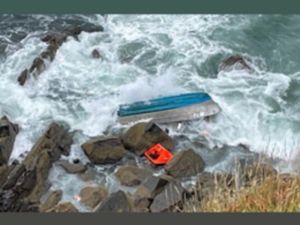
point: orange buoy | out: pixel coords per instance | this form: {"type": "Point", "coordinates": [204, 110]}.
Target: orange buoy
{"type": "Point", "coordinates": [158, 155]}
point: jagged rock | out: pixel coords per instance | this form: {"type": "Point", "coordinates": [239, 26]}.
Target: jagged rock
{"type": "Point", "coordinates": [27, 182]}
{"type": "Point", "coordinates": [23, 77]}
{"type": "Point", "coordinates": [170, 196]}
{"type": "Point", "coordinates": [89, 174]}
{"type": "Point", "coordinates": [52, 200]}
{"type": "Point", "coordinates": [184, 164]}
{"type": "Point", "coordinates": [234, 62]}
{"type": "Point", "coordinates": [8, 132]}
{"type": "Point", "coordinates": [54, 41]}
{"type": "Point", "coordinates": [96, 54]}
{"type": "Point", "coordinates": [142, 136]}
{"type": "Point", "coordinates": [116, 202]}
{"type": "Point", "coordinates": [92, 196]}
{"type": "Point", "coordinates": [104, 150]}
{"type": "Point", "coordinates": [72, 167]}
{"type": "Point", "coordinates": [132, 175]}
{"type": "Point", "coordinates": [66, 207]}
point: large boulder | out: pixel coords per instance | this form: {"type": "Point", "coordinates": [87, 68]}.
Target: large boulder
{"type": "Point", "coordinates": [8, 132]}
{"type": "Point", "coordinates": [104, 150]}
{"type": "Point", "coordinates": [116, 202]}
{"type": "Point", "coordinates": [171, 195]}
{"type": "Point", "coordinates": [142, 136]}
{"type": "Point", "coordinates": [234, 62]}
{"type": "Point", "coordinates": [184, 164]}
{"type": "Point", "coordinates": [28, 181]}
{"type": "Point", "coordinates": [92, 196]}
{"type": "Point", "coordinates": [132, 175]}
{"type": "Point", "coordinates": [52, 200]}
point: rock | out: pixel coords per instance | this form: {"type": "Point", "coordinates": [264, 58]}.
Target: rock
{"type": "Point", "coordinates": [23, 77]}
{"type": "Point", "coordinates": [101, 150]}
{"type": "Point", "coordinates": [142, 136]}
{"type": "Point", "coordinates": [151, 187]}
{"type": "Point", "coordinates": [116, 202]}
{"type": "Point", "coordinates": [4, 170]}
{"type": "Point", "coordinates": [132, 175]}
{"type": "Point", "coordinates": [8, 133]}
{"type": "Point", "coordinates": [28, 181]}
{"type": "Point", "coordinates": [54, 41]}
{"type": "Point", "coordinates": [184, 164]}
{"type": "Point", "coordinates": [38, 66]}
{"type": "Point", "coordinates": [92, 196]}
{"type": "Point", "coordinates": [52, 200]}
{"type": "Point", "coordinates": [234, 62]}
{"type": "Point", "coordinates": [72, 167]}
{"type": "Point", "coordinates": [88, 175]}
{"type": "Point", "coordinates": [65, 207]}
{"type": "Point", "coordinates": [170, 196]}
{"type": "Point", "coordinates": [96, 54]}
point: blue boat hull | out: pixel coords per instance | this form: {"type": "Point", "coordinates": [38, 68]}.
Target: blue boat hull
{"type": "Point", "coordinates": [164, 103]}
{"type": "Point", "coordinates": [169, 109]}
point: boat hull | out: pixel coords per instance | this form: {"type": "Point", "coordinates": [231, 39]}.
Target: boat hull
{"type": "Point", "coordinates": [190, 112]}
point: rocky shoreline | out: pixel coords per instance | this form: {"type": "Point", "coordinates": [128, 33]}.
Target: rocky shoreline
{"type": "Point", "coordinates": [24, 184]}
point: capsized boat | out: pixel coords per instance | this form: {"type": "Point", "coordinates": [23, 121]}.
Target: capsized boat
{"type": "Point", "coordinates": [169, 109]}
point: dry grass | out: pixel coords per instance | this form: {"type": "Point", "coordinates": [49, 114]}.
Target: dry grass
{"type": "Point", "coordinates": [263, 191]}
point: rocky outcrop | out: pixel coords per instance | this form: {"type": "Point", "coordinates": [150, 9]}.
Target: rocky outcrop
{"type": "Point", "coordinates": [8, 132]}
{"type": "Point", "coordinates": [132, 175]}
{"type": "Point", "coordinates": [234, 62]}
{"type": "Point", "coordinates": [142, 136]}
{"type": "Point", "coordinates": [54, 41]}
{"type": "Point", "coordinates": [66, 207]}
{"type": "Point", "coordinates": [92, 196]}
{"type": "Point", "coordinates": [104, 150]}
{"type": "Point", "coordinates": [116, 202]}
{"type": "Point", "coordinates": [75, 167]}
{"type": "Point", "coordinates": [28, 181]}
{"type": "Point", "coordinates": [52, 200]}
{"type": "Point", "coordinates": [184, 164]}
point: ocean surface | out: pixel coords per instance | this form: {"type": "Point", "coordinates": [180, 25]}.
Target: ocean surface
{"type": "Point", "coordinates": [146, 56]}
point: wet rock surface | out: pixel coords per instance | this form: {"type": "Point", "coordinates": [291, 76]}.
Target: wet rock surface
{"type": "Point", "coordinates": [234, 62]}
{"type": "Point", "coordinates": [65, 207]}
{"type": "Point", "coordinates": [104, 150]}
{"type": "Point", "coordinates": [142, 136]}
{"type": "Point", "coordinates": [185, 164]}
{"type": "Point", "coordinates": [8, 133]}
{"type": "Point", "coordinates": [116, 202]}
{"type": "Point", "coordinates": [92, 196]}
{"type": "Point", "coordinates": [71, 167]}
{"type": "Point", "coordinates": [52, 200]}
{"type": "Point", "coordinates": [132, 175]}
{"type": "Point", "coordinates": [28, 181]}
{"type": "Point", "coordinates": [54, 41]}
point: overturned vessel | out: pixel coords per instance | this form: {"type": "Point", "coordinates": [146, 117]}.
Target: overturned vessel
{"type": "Point", "coordinates": [169, 109]}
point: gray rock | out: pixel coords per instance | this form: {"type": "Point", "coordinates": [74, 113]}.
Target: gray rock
{"type": "Point", "coordinates": [104, 150]}
{"type": "Point", "coordinates": [92, 196]}
{"type": "Point", "coordinates": [184, 164]}
{"type": "Point", "coordinates": [142, 136]}
{"type": "Point", "coordinates": [116, 202]}
{"type": "Point", "coordinates": [52, 200]}
{"type": "Point", "coordinates": [132, 175]}
{"type": "Point", "coordinates": [72, 167]}
{"type": "Point", "coordinates": [170, 196]}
